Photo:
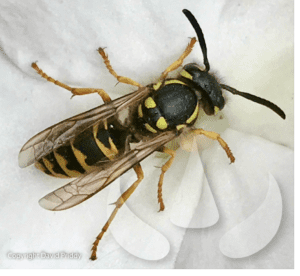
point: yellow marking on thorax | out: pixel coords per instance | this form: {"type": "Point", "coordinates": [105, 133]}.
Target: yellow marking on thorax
{"type": "Point", "coordinates": [150, 103]}
{"type": "Point", "coordinates": [49, 166]}
{"type": "Point", "coordinates": [150, 128]}
{"type": "Point", "coordinates": [81, 159]}
{"type": "Point", "coordinates": [216, 110]}
{"type": "Point", "coordinates": [194, 115]}
{"type": "Point", "coordinates": [63, 164]}
{"type": "Point", "coordinates": [179, 127]}
{"type": "Point", "coordinates": [186, 74]}
{"type": "Point", "coordinates": [109, 153]}
{"type": "Point", "coordinates": [140, 111]}
{"type": "Point", "coordinates": [174, 81]}
{"type": "Point", "coordinates": [161, 123]}
{"type": "Point", "coordinates": [157, 85]}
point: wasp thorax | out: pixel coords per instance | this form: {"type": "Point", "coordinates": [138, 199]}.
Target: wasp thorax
{"type": "Point", "coordinates": [172, 105]}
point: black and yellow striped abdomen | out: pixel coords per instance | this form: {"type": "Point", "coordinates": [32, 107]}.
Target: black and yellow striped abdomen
{"type": "Point", "coordinates": [173, 104]}
{"type": "Point", "coordinates": [100, 143]}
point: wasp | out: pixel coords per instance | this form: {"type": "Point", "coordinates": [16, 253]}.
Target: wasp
{"type": "Point", "coordinates": [98, 146]}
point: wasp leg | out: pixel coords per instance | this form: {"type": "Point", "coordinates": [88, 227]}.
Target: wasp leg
{"type": "Point", "coordinates": [179, 61]}
{"type": "Point", "coordinates": [122, 199]}
{"type": "Point", "coordinates": [164, 168]}
{"type": "Point", "coordinates": [216, 136]}
{"type": "Point", "coordinates": [74, 91]}
{"type": "Point", "coordinates": [113, 72]}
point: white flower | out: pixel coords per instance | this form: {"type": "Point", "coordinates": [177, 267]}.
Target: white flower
{"type": "Point", "coordinates": [250, 47]}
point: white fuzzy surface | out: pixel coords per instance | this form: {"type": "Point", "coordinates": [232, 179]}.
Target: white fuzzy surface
{"type": "Point", "coordinates": [250, 47]}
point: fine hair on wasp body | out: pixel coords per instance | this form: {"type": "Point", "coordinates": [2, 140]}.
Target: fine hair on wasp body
{"type": "Point", "coordinates": [95, 147]}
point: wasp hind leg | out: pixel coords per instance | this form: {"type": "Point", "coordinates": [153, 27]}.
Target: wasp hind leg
{"type": "Point", "coordinates": [75, 91]}
{"type": "Point", "coordinates": [121, 200]}
{"type": "Point", "coordinates": [216, 136]}
{"type": "Point", "coordinates": [113, 72]}
{"type": "Point", "coordinates": [164, 168]}
{"type": "Point", "coordinates": [179, 61]}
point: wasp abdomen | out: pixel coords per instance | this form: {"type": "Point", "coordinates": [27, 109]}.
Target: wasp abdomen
{"type": "Point", "coordinates": [100, 143]}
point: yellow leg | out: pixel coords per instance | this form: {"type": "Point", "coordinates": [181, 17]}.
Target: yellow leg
{"type": "Point", "coordinates": [74, 91]}
{"type": "Point", "coordinates": [113, 72]}
{"type": "Point", "coordinates": [216, 136]}
{"type": "Point", "coordinates": [122, 199]}
{"type": "Point", "coordinates": [179, 61]}
{"type": "Point", "coordinates": [164, 168]}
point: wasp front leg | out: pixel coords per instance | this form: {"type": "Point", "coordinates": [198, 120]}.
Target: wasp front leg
{"type": "Point", "coordinates": [119, 203]}
{"type": "Point", "coordinates": [164, 168]}
{"type": "Point", "coordinates": [113, 72]}
{"type": "Point", "coordinates": [75, 91]}
{"type": "Point", "coordinates": [179, 61]}
{"type": "Point", "coordinates": [216, 136]}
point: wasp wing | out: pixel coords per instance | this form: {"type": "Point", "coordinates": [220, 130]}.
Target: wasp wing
{"type": "Point", "coordinates": [53, 137]}
{"type": "Point", "coordinates": [87, 185]}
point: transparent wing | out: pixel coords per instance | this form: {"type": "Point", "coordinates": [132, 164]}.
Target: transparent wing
{"type": "Point", "coordinates": [87, 185]}
{"type": "Point", "coordinates": [55, 136]}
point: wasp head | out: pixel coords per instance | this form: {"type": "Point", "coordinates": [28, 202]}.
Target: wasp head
{"type": "Point", "coordinates": [210, 89]}
{"type": "Point", "coordinates": [207, 85]}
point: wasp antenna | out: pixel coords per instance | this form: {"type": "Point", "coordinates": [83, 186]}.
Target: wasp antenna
{"type": "Point", "coordinates": [256, 99]}
{"type": "Point", "coordinates": [200, 36]}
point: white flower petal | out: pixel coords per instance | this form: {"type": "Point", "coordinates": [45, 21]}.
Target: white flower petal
{"type": "Point", "coordinates": [198, 210]}
{"type": "Point", "coordinates": [134, 235]}
{"type": "Point", "coordinates": [255, 232]}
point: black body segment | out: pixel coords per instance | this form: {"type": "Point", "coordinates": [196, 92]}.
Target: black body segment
{"type": "Point", "coordinates": [67, 161]}
{"type": "Point", "coordinates": [171, 104]}
{"type": "Point", "coordinates": [177, 103]}
{"type": "Point", "coordinates": [87, 146]}
{"type": "Point", "coordinates": [53, 166]}
{"type": "Point", "coordinates": [100, 143]}
{"type": "Point", "coordinates": [41, 166]}
{"type": "Point", "coordinates": [72, 163]}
